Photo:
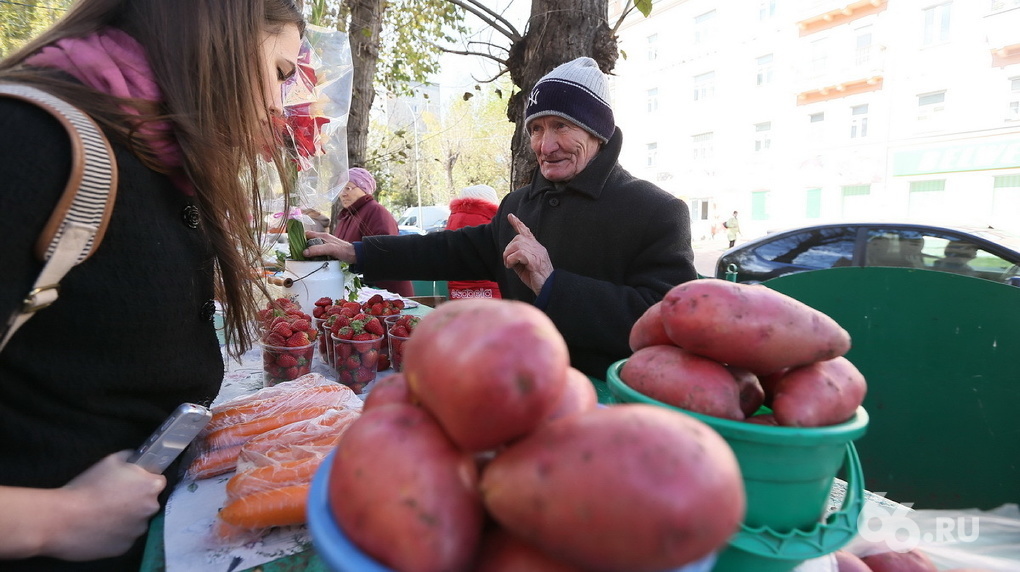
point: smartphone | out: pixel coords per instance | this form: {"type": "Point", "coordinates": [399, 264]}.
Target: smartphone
{"type": "Point", "coordinates": [172, 437]}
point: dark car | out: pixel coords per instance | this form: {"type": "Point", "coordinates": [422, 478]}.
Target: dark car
{"type": "Point", "coordinates": [981, 252]}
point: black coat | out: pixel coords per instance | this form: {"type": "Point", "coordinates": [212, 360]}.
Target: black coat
{"type": "Point", "coordinates": [129, 339]}
{"type": "Point", "coordinates": [617, 243]}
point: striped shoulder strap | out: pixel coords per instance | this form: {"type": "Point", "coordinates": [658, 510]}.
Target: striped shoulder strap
{"type": "Point", "coordinates": [80, 218]}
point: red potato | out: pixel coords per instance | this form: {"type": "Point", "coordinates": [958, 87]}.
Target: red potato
{"type": "Point", "coordinates": [912, 561]}
{"type": "Point", "coordinates": [503, 552]}
{"type": "Point", "coordinates": [631, 487]}
{"type": "Point", "coordinates": [578, 395]}
{"type": "Point", "coordinates": [390, 389]}
{"type": "Point", "coordinates": [749, 326]}
{"type": "Point", "coordinates": [822, 393]}
{"type": "Point", "coordinates": [649, 329]}
{"type": "Point", "coordinates": [682, 379]}
{"type": "Point", "coordinates": [489, 370]}
{"type": "Point", "coordinates": [403, 492]}
{"type": "Point", "coordinates": [768, 384]}
{"type": "Point", "coordinates": [752, 395]}
{"type": "Point", "coordinates": [849, 562]}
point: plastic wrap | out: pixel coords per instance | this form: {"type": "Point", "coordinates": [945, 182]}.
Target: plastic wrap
{"type": "Point", "coordinates": [238, 421]}
{"type": "Point", "coordinates": [314, 128]}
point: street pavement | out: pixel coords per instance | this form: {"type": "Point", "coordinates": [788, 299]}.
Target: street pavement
{"type": "Point", "coordinates": [706, 254]}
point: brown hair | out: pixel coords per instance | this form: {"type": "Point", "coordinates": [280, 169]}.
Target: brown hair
{"type": "Point", "coordinates": [205, 55]}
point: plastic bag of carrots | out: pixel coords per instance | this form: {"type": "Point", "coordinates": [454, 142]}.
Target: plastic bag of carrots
{"type": "Point", "coordinates": [239, 420]}
{"type": "Point", "coordinates": [274, 473]}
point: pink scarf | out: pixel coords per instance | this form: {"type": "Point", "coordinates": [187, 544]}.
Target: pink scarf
{"type": "Point", "coordinates": [114, 63]}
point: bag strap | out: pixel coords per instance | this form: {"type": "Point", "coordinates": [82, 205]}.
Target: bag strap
{"type": "Point", "coordinates": [82, 214]}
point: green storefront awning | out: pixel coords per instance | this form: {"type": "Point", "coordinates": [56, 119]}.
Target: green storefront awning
{"type": "Point", "coordinates": [979, 156]}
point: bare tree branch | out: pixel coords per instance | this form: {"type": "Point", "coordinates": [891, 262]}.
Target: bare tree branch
{"type": "Point", "coordinates": [628, 8]}
{"type": "Point", "coordinates": [487, 15]}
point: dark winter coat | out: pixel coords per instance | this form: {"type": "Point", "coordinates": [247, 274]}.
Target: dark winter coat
{"type": "Point", "coordinates": [617, 243]}
{"type": "Point", "coordinates": [130, 337]}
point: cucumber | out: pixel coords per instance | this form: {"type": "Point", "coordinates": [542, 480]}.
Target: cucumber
{"type": "Point", "coordinates": [296, 239]}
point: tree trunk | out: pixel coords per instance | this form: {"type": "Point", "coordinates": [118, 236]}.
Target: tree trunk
{"type": "Point", "coordinates": [559, 31]}
{"type": "Point", "coordinates": [363, 32]}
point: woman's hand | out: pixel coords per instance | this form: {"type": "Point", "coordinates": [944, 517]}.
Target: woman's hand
{"type": "Point", "coordinates": [98, 514]}
{"type": "Point", "coordinates": [333, 248]}
{"type": "Point", "coordinates": [527, 257]}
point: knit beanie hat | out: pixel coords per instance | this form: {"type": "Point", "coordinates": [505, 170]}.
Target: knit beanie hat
{"type": "Point", "coordinates": [483, 192]}
{"type": "Point", "coordinates": [363, 179]}
{"type": "Point", "coordinates": [578, 92]}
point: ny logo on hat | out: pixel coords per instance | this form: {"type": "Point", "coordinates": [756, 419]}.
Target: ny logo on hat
{"type": "Point", "coordinates": [533, 98]}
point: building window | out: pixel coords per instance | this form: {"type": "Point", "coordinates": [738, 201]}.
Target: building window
{"type": "Point", "coordinates": [819, 53]}
{"type": "Point", "coordinates": [936, 24]}
{"type": "Point", "coordinates": [862, 50]}
{"type": "Point", "coordinates": [763, 65]}
{"type": "Point", "coordinates": [1013, 109]}
{"type": "Point", "coordinates": [816, 125]}
{"type": "Point", "coordinates": [859, 121]}
{"type": "Point", "coordinates": [651, 154]}
{"type": "Point", "coordinates": [652, 99]}
{"type": "Point", "coordinates": [704, 86]}
{"type": "Point", "coordinates": [701, 147]}
{"type": "Point", "coordinates": [930, 106]}
{"type": "Point", "coordinates": [653, 47]}
{"type": "Point", "coordinates": [813, 203]}
{"type": "Point", "coordinates": [766, 10]}
{"type": "Point", "coordinates": [762, 136]}
{"type": "Point", "coordinates": [704, 27]}
{"type": "Point", "coordinates": [699, 209]}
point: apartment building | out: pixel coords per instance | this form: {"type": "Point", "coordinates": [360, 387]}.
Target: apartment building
{"type": "Point", "coordinates": [802, 111]}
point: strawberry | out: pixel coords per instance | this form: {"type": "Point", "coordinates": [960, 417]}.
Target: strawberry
{"type": "Point", "coordinates": [352, 305]}
{"type": "Point", "coordinates": [364, 337]}
{"type": "Point", "coordinates": [318, 312]}
{"type": "Point", "coordinates": [344, 333]}
{"type": "Point", "coordinates": [364, 375]}
{"type": "Point", "coordinates": [370, 359]}
{"type": "Point", "coordinates": [400, 331]}
{"type": "Point", "coordinates": [374, 326]}
{"type": "Point", "coordinates": [286, 360]}
{"type": "Point", "coordinates": [297, 340]}
{"type": "Point", "coordinates": [324, 301]}
{"type": "Point", "coordinates": [333, 310]}
{"type": "Point", "coordinates": [274, 339]}
{"type": "Point", "coordinates": [352, 362]}
{"type": "Point", "coordinates": [300, 325]}
{"type": "Point", "coordinates": [375, 299]}
{"type": "Point", "coordinates": [282, 328]}
{"type": "Point", "coordinates": [290, 373]}
{"type": "Point", "coordinates": [384, 363]}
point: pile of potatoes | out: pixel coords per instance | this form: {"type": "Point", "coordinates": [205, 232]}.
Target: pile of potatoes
{"type": "Point", "coordinates": [724, 349]}
{"type": "Point", "coordinates": [490, 453]}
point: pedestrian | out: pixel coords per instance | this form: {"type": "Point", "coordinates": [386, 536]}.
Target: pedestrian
{"type": "Point", "coordinates": [361, 215]}
{"type": "Point", "coordinates": [585, 241]}
{"type": "Point", "coordinates": [186, 92]}
{"type": "Point", "coordinates": [732, 229]}
{"type": "Point", "coordinates": [475, 205]}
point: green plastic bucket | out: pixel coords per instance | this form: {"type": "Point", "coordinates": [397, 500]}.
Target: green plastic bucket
{"type": "Point", "coordinates": [788, 471]}
{"type": "Point", "coordinates": [765, 550]}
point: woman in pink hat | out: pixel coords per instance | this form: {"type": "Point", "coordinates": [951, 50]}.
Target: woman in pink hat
{"type": "Point", "coordinates": [361, 215]}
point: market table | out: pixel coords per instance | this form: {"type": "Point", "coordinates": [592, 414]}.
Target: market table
{"type": "Point", "coordinates": [284, 549]}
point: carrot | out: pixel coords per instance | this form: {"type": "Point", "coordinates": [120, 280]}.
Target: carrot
{"type": "Point", "coordinates": [314, 431]}
{"type": "Point", "coordinates": [214, 462]}
{"type": "Point", "coordinates": [276, 507]}
{"type": "Point", "coordinates": [273, 476]}
{"type": "Point", "coordinates": [262, 407]}
{"type": "Point", "coordinates": [240, 433]}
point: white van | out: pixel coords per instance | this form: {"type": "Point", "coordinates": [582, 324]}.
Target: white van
{"type": "Point", "coordinates": [424, 218]}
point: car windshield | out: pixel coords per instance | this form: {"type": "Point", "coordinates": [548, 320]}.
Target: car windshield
{"type": "Point", "coordinates": [998, 236]}
{"type": "Point", "coordinates": [815, 248]}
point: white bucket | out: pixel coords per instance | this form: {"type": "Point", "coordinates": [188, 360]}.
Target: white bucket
{"type": "Point", "coordinates": [305, 281]}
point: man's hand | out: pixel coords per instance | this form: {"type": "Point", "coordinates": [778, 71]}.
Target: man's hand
{"type": "Point", "coordinates": [527, 257]}
{"type": "Point", "coordinates": [333, 247]}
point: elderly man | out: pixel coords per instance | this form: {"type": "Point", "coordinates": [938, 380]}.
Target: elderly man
{"type": "Point", "coordinates": [586, 242]}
